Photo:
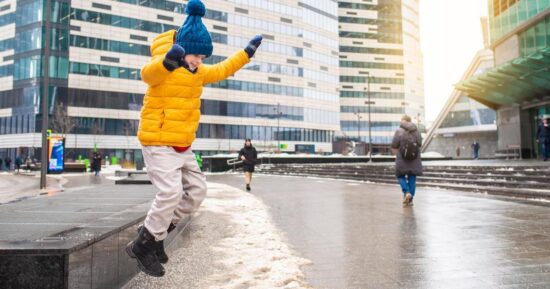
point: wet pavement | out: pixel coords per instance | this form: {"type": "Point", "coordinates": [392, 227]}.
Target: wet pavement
{"type": "Point", "coordinates": [357, 235]}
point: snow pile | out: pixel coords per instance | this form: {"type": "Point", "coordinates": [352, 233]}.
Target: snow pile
{"type": "Point", "coordinates": [432, 155]}
{"type": "Point", "coordinates": [111, 169]}
{"type": "Point", "coordinates": [255, 255]}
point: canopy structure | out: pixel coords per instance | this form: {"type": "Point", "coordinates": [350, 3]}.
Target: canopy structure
{"type": "Point", "coordinates": [521, 80]}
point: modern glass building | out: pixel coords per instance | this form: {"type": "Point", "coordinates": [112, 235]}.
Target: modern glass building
{"type": "Point", "coordinates": [518, 87]}
{"type": "Point", "coordinates": [287, 95]}
{"type": "Point", "coordinates": [380, 56]}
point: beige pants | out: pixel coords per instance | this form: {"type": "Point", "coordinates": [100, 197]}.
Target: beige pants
{"type": "Point", "coordinates": [247, 177]}
{"type": "Point", "coordinates": [181, 185]}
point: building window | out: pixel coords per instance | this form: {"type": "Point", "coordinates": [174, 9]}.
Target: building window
{"type": "Point", "coordinates": [105, 71]}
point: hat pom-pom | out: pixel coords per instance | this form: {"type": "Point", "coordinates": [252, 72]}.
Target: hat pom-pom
{"type": "Point", "coordinates": [195, 8]}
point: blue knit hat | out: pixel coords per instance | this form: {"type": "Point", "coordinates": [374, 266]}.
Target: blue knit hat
{"type": "Point", "coordinates": [193, 35]}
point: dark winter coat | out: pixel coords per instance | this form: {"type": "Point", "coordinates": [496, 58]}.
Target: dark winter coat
{"type": "Point", "coordinates": [543, 133]}
{"type": "Point", "coordinates": [96, 163]}
{"type": "Point", "coordinates": [402, 166]}
{"type": "Point", "coordinates": [250, 158]}
{"type": "Point", "coordinates": [18, 161]}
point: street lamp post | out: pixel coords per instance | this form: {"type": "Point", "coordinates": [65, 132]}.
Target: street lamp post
{"type": "Point", "coordinates": [278, 126]}
{"type": "Point", "coordinates": [369, 102]}
{"type": "Point", "coordinates": [45, 99]}
{"type": "Point", "coordinates": [358, 125]}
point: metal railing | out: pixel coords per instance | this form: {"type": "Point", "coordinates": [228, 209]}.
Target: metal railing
{"type": "Point", "coordinates": [234, 162]}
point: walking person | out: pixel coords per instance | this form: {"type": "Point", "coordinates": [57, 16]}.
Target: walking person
{"type": "Point", "coordinates": [28, 163]}
{"type": "Point", "coordinates": [475, 147]}
{"type": "Point", "coordinates": [7, 161]}
{"type": "Point", "coordinates": [1, 162]}
{"type": "Point", "coordinates": [18, 163]}
{"type": "Point", "coordinates": [198, 157]}
{"type": "Point", "coordinates": [406, 145]}
{"type": "Point", "coordinates": [457, 151]}
{"type": "Point", "coordinates": [249, 156]}
{"type": "Point", "coordinates": [543, 138]}
{"type": "Point", "coordinates": [169, 119]}
{"type": "Point", "coordinates": [96, 163]}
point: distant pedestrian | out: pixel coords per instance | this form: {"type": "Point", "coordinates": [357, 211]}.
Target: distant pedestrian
{"type": "Point", "coordinates": [18, 163]}
{"type": "Point", "coordinates": [249, 156]}
{"type": "Point", "coordinates": [475, 147]}
{"type": "Point", "coordinates": [7, 161]}
{"type": "Point", "coordinates": [28, 163]}
{"type": "Point", "coordinates": [198, 157]}
{"type": "Point", "coordinates": [543, 137]}
{"type": "Point", "coordinates": [96, 163]}
{"type": "Point", "coordinates": [457, 151]}
{"type": "Point", "coordinates": [406, 145]}
{"type": "Point", "coordinates": [1, 162]}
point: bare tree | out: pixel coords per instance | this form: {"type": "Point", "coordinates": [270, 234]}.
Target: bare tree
{"type": "Point", "coordinates": [97, 131]}
{"type": "Point", "coordinates": [63, 124]}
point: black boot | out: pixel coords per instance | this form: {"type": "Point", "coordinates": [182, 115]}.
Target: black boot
{"type": "Point", "coordinates": [143, 249]}
{"type": "Point", "coordinates": [161, 254]}
{"type": "Point", "coordinates": [248, 187]}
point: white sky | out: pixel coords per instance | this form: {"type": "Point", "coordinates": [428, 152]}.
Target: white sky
{"type": "Point", "coordinates": [450, 37]}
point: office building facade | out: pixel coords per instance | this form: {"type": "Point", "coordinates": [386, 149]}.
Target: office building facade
{"type": "Point", "coordinates": [287, 95]}
{"type": "Point", "coordinates": [380, 56]}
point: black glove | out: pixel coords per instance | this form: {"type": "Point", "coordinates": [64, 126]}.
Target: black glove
{"type": "Point", "coordinates": [172, 60]}
{"type": "Point", "coordinates": [253, 45]}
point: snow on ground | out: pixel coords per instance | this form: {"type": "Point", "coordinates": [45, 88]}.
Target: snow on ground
{"type": "Point", "coordinates": [111, 169]}
{"type": "Point", "coordinates": [256, 256]}
{"type": "Point", "coordinates": [14, 187]}
{"type": "Point", "coordinates": [231, 243]}
{"type": "Point", "coordinates": [432, 155]}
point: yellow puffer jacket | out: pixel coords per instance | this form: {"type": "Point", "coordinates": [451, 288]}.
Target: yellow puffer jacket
{"type": "Point", "coordinates": [171, 107]}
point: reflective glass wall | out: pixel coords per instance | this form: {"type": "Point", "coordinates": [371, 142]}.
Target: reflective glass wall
{"type": "Point", "coordinates": [506, 15]}
{"type": "Point", "coordinates": [535, 38]}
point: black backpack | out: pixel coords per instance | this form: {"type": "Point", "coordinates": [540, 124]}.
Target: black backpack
{"type": "Point", "coordinates": [409, 148]}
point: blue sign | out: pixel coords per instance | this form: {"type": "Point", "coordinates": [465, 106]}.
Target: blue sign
{"type": "Point", "coordinates": [56, 152]}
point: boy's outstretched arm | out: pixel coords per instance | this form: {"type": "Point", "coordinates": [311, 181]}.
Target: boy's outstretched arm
{"type": "Point", "coordinates": [160, 66]}
{"type": "Point", "coordinates": [228, 67]}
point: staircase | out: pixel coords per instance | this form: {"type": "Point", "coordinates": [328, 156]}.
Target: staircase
{"type": "Point", "coordinates": [518, 181]}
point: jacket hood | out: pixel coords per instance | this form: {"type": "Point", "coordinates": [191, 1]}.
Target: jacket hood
{"type": "Point", "coordinates": [408, 126]}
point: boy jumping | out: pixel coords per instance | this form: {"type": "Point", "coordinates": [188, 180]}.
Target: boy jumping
{"type": "Point", "coordinates": [169, 118]}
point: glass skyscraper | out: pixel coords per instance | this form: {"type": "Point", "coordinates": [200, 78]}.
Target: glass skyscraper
{"type": "Point", "coordinates": [379, 55]}
{"type": "Point", "coordinates": [287, 95]}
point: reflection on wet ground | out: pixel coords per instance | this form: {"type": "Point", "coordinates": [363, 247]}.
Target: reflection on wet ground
{"type": "Point", "coordinates": [359, 236]}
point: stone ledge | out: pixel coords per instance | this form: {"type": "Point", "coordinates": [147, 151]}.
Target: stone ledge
{"type": "Point", "coordinates": [74, 239]}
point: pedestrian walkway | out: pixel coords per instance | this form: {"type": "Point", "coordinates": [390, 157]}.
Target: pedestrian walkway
{"type": "Point", "coordinates": [357, 235]}
{"type": "Point", "coordinates": [231, 243]}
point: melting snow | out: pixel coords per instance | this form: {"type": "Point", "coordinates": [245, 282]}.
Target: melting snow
{"type": "Point", "coordinates": [256, 256]}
